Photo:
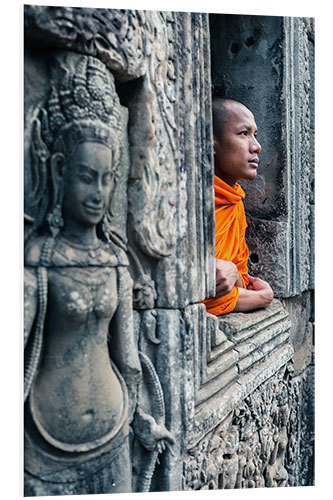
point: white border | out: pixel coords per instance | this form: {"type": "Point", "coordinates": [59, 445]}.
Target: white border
{"type": "Point", "coordinates": [11, 209]}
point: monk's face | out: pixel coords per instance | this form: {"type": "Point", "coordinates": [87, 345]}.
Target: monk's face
{"type": "Point", "coordinates": [236, 152]}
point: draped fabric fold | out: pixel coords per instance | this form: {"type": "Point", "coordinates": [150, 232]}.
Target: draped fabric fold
{"type": "Point", "coordinates": [230, 226]}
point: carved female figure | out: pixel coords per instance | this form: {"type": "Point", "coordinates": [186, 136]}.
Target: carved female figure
{"type": "Point", "coordinates": [78, 297]}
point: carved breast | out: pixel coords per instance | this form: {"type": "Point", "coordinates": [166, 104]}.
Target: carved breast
{"type": "Point", "coordinates": [78, 292]}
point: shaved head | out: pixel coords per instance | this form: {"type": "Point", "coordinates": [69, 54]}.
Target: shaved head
{"type": "Point", "coordinates": [221, 114]}
{"type": "Point", "coordinates": [236, 148]}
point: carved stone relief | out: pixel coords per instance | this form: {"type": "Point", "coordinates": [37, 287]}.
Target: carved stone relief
{"type": "Point", "coordinates": [226, 359]}
{"type": "Point", "coordinates": [171, 186]}
{"type": "Point", "coordinates": [88, 57]}
{"type": "Point", "coordinates": [236, 452]}
{"type": "Point", "coordinates": [147, 50]}
{"type": "Point", "coordinates": [255, 446]}
{"type": "Point", "coordinates": [119, 38]}
{"type": "Point", "coordinates": [82, 364]}
{"type": "Point", "coordinates": [77, 288]}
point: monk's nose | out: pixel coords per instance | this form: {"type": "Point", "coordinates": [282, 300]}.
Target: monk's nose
{"type": "Point", "coordinates": [255, 146]}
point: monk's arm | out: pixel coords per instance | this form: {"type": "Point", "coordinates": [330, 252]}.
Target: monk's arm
{"type": "Point", "coordinates": [258, 295]}
{"type": "Point", "coordinates": [227, 276]}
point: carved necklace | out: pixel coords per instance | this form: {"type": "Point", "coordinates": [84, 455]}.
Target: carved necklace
{"type": "Point", "coordinates": [67, 253]}
{"type": "Point", "coordinates": [90, 248]}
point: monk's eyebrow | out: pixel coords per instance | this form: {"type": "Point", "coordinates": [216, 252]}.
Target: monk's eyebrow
{"type": "Point", "coordinates": [249, 128]}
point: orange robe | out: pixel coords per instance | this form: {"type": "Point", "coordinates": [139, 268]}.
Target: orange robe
{"type": "Point", "coordinates": [230, 226]}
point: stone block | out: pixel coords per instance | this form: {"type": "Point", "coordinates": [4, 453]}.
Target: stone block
{"type": "Point", "coordinates": [256, 346]}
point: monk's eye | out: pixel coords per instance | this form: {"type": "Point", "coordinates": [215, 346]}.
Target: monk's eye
{"type": "Point", "coordinates": [243, 132]}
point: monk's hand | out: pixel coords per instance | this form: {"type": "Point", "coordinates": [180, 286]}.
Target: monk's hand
{"type": "Point", "coordinates": [262, 287]}
{"type": "Point", "coordinates": [227, 277]}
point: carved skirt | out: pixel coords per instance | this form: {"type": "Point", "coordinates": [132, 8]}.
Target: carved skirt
{"type": "Point", "coordinates": [53, 472]}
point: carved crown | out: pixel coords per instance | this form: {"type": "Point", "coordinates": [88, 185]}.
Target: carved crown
{"type": "Point", "coordinates": [85, 107]}
{"type": "Point", "coordinates": [82, 106]}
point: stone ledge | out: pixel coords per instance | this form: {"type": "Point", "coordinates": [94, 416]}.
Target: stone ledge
{"type": "Point", "coordinates": [242, 351]}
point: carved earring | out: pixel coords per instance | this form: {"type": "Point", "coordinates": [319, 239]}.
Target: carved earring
{"type": "Point", "coordinates": [55, 218]}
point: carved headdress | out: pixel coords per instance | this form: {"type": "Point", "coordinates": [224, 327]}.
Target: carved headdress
{"type": "Point", "coordinates": [84, 106]}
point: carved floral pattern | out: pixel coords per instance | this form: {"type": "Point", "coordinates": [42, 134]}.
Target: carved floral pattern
{"type": "Point", "coordinates": [115, 36]}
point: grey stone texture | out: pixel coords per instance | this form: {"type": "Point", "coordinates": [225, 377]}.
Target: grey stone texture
{"type": "Point", "coordinates": [221, 402]}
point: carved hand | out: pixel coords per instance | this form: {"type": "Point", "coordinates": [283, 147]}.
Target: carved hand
{"type": "Point", "coordinates": [150, 434]}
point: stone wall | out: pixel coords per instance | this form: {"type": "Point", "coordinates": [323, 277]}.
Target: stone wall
{"type": "Point", "coordinates": [231, 394]}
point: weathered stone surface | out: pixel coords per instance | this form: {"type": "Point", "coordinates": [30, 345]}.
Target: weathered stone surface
{"type": "Point", "coordinates": [301, 446]}
{"type": "Point", "coordinates": [177, 279]}
{"type": "Point", "coordinates": [268, 257]}
{"type": "Point", "coordinates": [301, 314]}
{"type": "Point", "coordinates": [120, 38]}
{"type": "Point", "coordinates": [212, 365]}
{"type": "Point", "coordinates": [255, 346]}
{"type": "Point", "coordinates": [251, 448]}
{"type": "Point", "coordinates": [170, 219]}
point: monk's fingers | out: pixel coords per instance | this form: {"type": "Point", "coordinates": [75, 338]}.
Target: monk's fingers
{"type": "Point", "coordinates": [223, 289]}
{"type": "Point", "coordinates": [221, 278]}
{"type": "Point", "coordinates": [221, 282]}
{"type": "Point", "coordinates": [222, 286]}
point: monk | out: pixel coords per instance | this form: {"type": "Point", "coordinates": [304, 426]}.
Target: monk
{"type": "Point", "coordinates": [236, 157]}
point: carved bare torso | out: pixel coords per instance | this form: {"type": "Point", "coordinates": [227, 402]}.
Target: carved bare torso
{"type": "Point", "coordinates": [80, 396]}
{"type": "Point", "coordinates": [77, 400]}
